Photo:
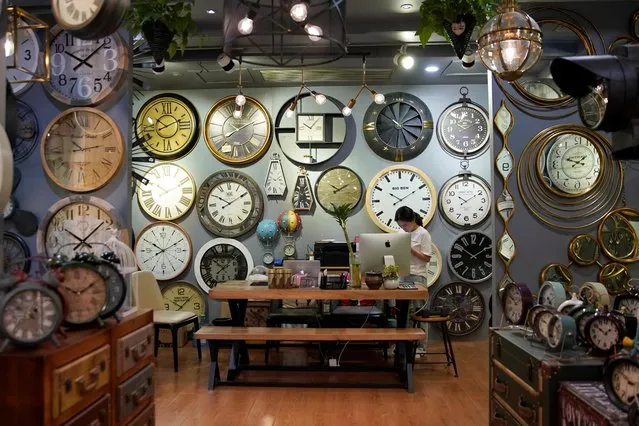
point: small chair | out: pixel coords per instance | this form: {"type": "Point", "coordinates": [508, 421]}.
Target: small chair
{"type": "Point", "coordinates": [441, 318]}
{"type": "Point", "coordinates": [147, 295]}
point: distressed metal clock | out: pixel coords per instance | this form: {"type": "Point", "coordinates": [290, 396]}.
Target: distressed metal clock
{"type": "Point", "coordinates": [23, 64]}
{"type": "Point", "coordinates": [167, 126]}
{"type": "Point", "coordinates": [16, 253]}
{"type": "Point", "coordinates": [470, 257]}
{"type": "Point", "coordinates": [397, 186]}
{"type": "Point", "coordinates": [219, 260]}
{"type": "Point", "coordinates": [164, 249]}
{"type": "Point", "coordinates": [337, 186]}
{"type": "Point", "coordinates": [463, 127]}
{"type": "Point", "coordinates": [465, 305]}
{"type": "Point", "coordinates": [302, 193]}
{"type": "Point", "coordinates": [465, 201]}
{"type": "Point", "coordinates": [86, 72]}
{"type": "Point", "coordinates": [28, 132]}
{"type": "Point", "coordinates": [237, 140]}
{"type": "Point", "coordinates": [185, 297]}
{"type": "Point", "coordinates": [275, 184]}
{"type": "Point", "coordinates": [229, 203]}
{"type": "Point", "coordinates": [82, 149]}
{"type": "Point", "coordinates": [400, 129]}
{"type": "Point", "coordinates": [169, 192]}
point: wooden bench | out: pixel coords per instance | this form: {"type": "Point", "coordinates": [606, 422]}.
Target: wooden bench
{"type": "Point", "coordinates": [405, 337]}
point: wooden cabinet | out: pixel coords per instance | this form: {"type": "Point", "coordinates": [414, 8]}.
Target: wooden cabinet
{"type": "Point", "coordinates": [77, 382]}
{"type": "Point", "coordinates": [525, 377]}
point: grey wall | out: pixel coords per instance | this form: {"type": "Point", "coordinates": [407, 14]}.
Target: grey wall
{"type": "Point", "coordinates": [434, 161]}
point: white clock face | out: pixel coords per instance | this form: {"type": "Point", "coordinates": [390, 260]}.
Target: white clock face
{"type": "Point", "coordinates": [603, 333]}
{"type": "Point", "coordinates": [86, 72]}
{"type": "Point", "coordinates": [513, 305]}
{"type": "Point", "coordinates": [77, 12]}
{"type": "Point", "coordinates": [310, 128]}
{"type": "Point", "coordinates": [506, 246]}
{"type": "Point", "coordinates": [625, 382]}
{"type": "Point", "coordinates": [465, 201]}
{"type": "Point", "coordinates": [543, 322]}
{"type": "Point", "coordinates": [164, 249]}
{"type": "Point", "coordinates": [397, 187]}
{"type": "Point", "coordinates": [169, 194]}
{"type": "Point", "coordinates": [573, 164]}
{"type": "Point", "coordinates": [275, 182]}
{"type": "Point", "coordinates": [27, 49]}
{"type": "Point", "coordinates": [629, 304]}
{"type": "Point", "coordinates": [230, 203]}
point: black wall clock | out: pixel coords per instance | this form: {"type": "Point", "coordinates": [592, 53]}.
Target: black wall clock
{"type": "Point", "coordinates": [465, 305]}
{"type": "Point", "coordinates": [400, 129]}
{"type": "Point", "coordinates": [222, 259]}
{"type": "Point", "coordinates": [470, 258]}
{"type": "Point", "coordinates": [303, 194]}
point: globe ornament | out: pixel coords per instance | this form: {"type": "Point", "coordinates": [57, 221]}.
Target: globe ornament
{"type": "Point", "coordinates": [289, 221]}
{"type": "Point", "coordinates": [268, 231]}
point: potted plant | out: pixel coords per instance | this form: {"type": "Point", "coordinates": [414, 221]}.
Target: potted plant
{"type": "Point", "coordinates": [391, 277]}
{"type": "Point", "coordinates": [341, 214]}
{"type": "Point", "coordinates": [454, 19]}
{"type": "Point", "coordinates": [165, 24]}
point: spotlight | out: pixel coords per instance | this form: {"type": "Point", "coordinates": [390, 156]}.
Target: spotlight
{"type": "Point", "coordinates": [348, 109]}
{"type": "Point", "coordinates": [403, 59]}
{"type": "Point", "coordinates": [299, 11]}
{"type": "Point", "coordinates": [225, 62]}
{"type": "Point", "coordinates": [158, 68]}
{"type": "Point", "coordinates": [314, 32]}
{"type": "Point", "coordinates": [406, 6]}
{"type": "Point", "coordinates": [240, 99]}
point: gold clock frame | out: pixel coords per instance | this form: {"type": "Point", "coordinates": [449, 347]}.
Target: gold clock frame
{"type": "Point", "coordinates": [613, 269]}
{"type": "Point", "coordinates": [434, 199]}
{"type": "Point", "coordinates": [564, 273]}
{"type": "Point", "coordinates": [170, 224]}
{"type": "Point", "coordinates": [622, 214]}
{"type": "Point", "coordinates": [574, 253]}
{"type": "Point", "coordinates": [251, 158]}
{"type": "Point", "coordinates": [141, 187]}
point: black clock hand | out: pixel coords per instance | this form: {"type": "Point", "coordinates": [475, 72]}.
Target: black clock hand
{"type": "Point", "coordinates": [88, 147]}
{"type": "Point", "coordinates": [187, 301]}
{"type": "Point", "coordinates": [167, 125]}
{"type": "Point", "coordinates": [87, 237]}
{"type": "Point", "coordinates": [154, 245]}
{"type": "Point", "coordinates": [89, 57]}
{"type": "Point", "coordinates": [463, 201]}
{"type": "Point", "coordinates": [220, 198]}
{"type": "Point", "coordinates": [339, 189]}
{"type": "Point", "coordinates": [79, 239]}
{"type": "Point", "coordinates": [81, 61]}
{"type": "Point", "coordinates": [241, 196]}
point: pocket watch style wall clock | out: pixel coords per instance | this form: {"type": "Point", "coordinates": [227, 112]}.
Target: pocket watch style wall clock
{"type": "Point", "coordinates": [583, 249]}
{"type": "Point", "coordinates": [556, 272]}
{"type": "Point", "coordinates": [470, 257]}
{"type": "Point", "coordinates": [462, 129]}
{"type": "Point", "coordinates": [516, 301]}
{"type": "Point", "coordinates": [15, 251]}
{"type": "Point", "coordinates": [219, 260]}
{"type": "Point", "coordinates": [183, 296]}
{"type": "Point", "coordinates": [23, 64]}
{"type": "Point", "coordinates": [229, 203]}
{"type": "Point", "coordinates": [337, 186]}
{"type": "Point", "coordinates": [240, 140]}
{"type": "Point", "coordinates": [465, 201]}
{"type": "Point", "coordinates": [81, 149]}
{"type": "Point", "coordinates": [167, 126]}
{"type": "Point", "coordinates": [397, 186]}
{"type": "Point", "coordinates": [79, 224]}
{"type": "Point", "coordinates": [169, 193]}
{"type": "Point", "coordinates": [275, 184]}
{"type": "Point", "coordinates": [84, 292]}
{"type": "Point", "coordinates": [164, 249]}
{"type": "Point", "coordinates": [615, 277]}
{"type": "Point", "coordinates": [399, 129]}
{"type": "Point", "coordinates": [465, 304]}
{"type": "Point", "coordinates": [28, 132]}
{"type": "Point", "coordinates": [86, 72]}
{"type": "Point", "coordinates": [618, 238]}
{"type": "Point", "coordinates": [302, 193]}
{"type": "Point", "coordinates": [311, 133]}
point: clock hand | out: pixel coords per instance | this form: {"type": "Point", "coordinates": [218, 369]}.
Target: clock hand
{"type": "Point", "coordinates": [396, 123]}
{"type": "Point", "coordinates": [89, 56]}
{"type": "Point", "coordinates": [241, 196]}
{"type": "Point", "coordinates": [187, 301]}
{"type": "Point", "coordinates": [170, 124]}
{"type": "Point", "coordinates": [463, 201]}
{"type": "Point", "coordinates": [339, 189]}
{"type": "Point", "coordinates": [153, 244]}
{"type": "Point", "coordinates": [88, 147]}
{"type": "Point", "coordinates": [87, 237]}
{"type": "Point", "coordinates": [402, 199]}
{"type": "Point", "coordinates": [220, 198]}
{"type": "Point", "coordinates": [179, 307]}
{"type": "Point", "coordinates": [87, 287]}
{"type": "Point", "coordinates": [76, 144]}
{"type": "Point", "coordinates": [237, 130]}
{"type": "Point", "coordinates": [81, 61]}
{"type": "Point", "coordinates": [472, 256]}
{"type": "Point", "coordinates": [73, 235]}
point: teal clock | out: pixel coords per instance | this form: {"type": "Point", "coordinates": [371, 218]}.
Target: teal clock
{"type": "Point", "coordinates": [562, 332]}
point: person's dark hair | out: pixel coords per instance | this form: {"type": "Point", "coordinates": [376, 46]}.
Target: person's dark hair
{"type": "Point", "coordinates": [407, 214]}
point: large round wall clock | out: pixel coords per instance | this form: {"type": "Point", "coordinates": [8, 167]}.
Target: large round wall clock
{"type": "Point", "coordinates": [463, 127]}
{"type": "Point", "coordinates": [465, 304]}
{"type": "Point", "coordinates": [435, 266]}
{"type": "Point", "coordinates": [27, 52]}
{"type": "Point", "coordinates": [81, 149]}
{"type": "Point", "coordinates": [465, 201]}
{"type": "Point", "coordinates": [311, 133]}
{"type": "Point", "coordinates": [79, 223]}
{"type": "Point", "coordinates": [397, 186]}
{"type": "Point", "coordinates": [167, 126]}
{"type": "Point", "coordinates": [219, 260]}
{"type": "Point", "coordinates": [237, 140]}
{"type": "Point", "coordinates": [399, 129]}
{"type": "Point", "coordinates": [165, 249]}
{"type": "Point", "coordinates": [470, 257]}
{"type": "Point", "coordinates": [169, 192]}
{"type": "Point", "coordinates": [229, 203]}
{"type": "Point", "coordinates": [16, 253]}
{"type": "Point", "coordinates": [27, 134]}
{"type": "Point", "coordinates": [86, 72]}
{"type": "Point", "coordinates": [337, 186]}
{"type": "Point", "coordinates": [183, 296]}
{"type": "Point", "coordinates": [90, 18]}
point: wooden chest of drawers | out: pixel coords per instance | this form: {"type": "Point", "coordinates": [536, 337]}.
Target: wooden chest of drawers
{"type": "Point", "coordinates": [77, 383]}
{"type": "Point", "coordinates": [525, 377]}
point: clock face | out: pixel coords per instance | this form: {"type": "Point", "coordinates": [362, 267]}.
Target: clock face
{"type": "Point", "coordinates": [302, 194]}
{"type": "Point", "coordinates": [26, 54]}
{"type": "Point", "coordinates": [400, 129]}
{"type": "Point", "coordinates": [470, 258]}
{"type": "Point", "coordinates": [555, 332]}
{"type": "Point", "coordinates": [434, 266]}
{"type": "Point", "coordinates": [604, 332]}
{"type": "Point", "coordinates": [338, 186]}
{"type": "Point", "coordinates": [310, 128]}
{"type": "Point", "coordinates": [465, 201]}
{"type": "Point", "coordinates": [505, 163]}
{"type": "Point", "coordinates": [229, 203]}
{"type": "Point", "coordinates": [15, 251]}
{"type": "Point", "coordinates": [167, 126]}
{"type": "Point", "coordinates": [164, 249]}
{"type": "Point", "coordinates": [615, 277]}
{"type": "Point", "coordinates": [466, 307]}
{"type": "Point", "coordinates": [516, 301]}
{"type": "Point", "coordinates": [76, 14]}
{"type": "Point", "coordinates": [506, 247]}
{"type": "Point", "coordinates": [84, 291]}
{"type": "Point", "coordinates": [398, 186]}
{"type": "Point", "coordinates": [27, 135]}
{"type": "Point", "coordinates": [627, 304]}
{"type": "Point", "coordinates": [30, 313]}
{"type": "Point", "coordinates": [550, 295]}
{"type": "Point", "coordinates": [625, 382]}
{"type": "Point", "coordinates": [81, 149]}
{"type": "Point", "coordinates": [79, 224]}
{"type": "Point", "coordinates": [542, 321]}
{"type": "Point", "coordinates": [220, 260]}
{"type": "Point", "coordinates": [116, 288]}
{"type": "Point", "coordinates": [182, 296]}
{"type": "Point", "coordinates": [169, 193]}
{"type": "Point", "coordinates": [573, 165]}
{"type": "Point", "coordinates": [238, 140]}
{"type": "Point", "coordinates": [592, 107]}
{"type": "Point", "coordinates": [541, 90]}
{"type": "Point", "coordinates": [86, 72]}
{"type": "Point", "coordinates": [275, 184]}
{"type": "Point", "coordinates": [462, 129]}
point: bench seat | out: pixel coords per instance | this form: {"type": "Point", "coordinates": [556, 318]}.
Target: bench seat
{"type": "Point", "coordinates": [310, 334]}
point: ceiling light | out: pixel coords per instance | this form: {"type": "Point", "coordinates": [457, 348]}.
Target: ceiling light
{"type": "Point", "coordinates": [348, 109]}
{"type": "Point", "coordinates": [240, 99]}
{"type": "Point", "coordinates": [245, 26]}
{"type": "Point", "coordinates": [314, 32]}
{"type": "Point", "coordinates": [238, 111]}
{"type": "Point", "coordinates": [210, 11]}
{"type": "Point", "coordinates": [406, 6]}
{"type": "Point", "coordinates": [320, 98]}
{"type": "Point", "coordinates": [403, 59]}
{"type": "Point", "coordinates": [299, 11]}
{"type": "Point", "coordinates": [378, 98]}
{"type": "Point", "coordinates": [431, 68]}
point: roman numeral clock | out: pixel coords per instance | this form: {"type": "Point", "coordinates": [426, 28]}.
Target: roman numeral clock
{"type": "Point", "coordinates": [169, 193]}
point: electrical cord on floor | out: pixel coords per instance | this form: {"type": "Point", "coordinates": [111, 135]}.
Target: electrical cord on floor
{"type": "Point", "coordinates": [339, 358]}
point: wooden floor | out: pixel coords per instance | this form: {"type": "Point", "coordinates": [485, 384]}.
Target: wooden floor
{"type": "Point", "coordinates": [439, 398]}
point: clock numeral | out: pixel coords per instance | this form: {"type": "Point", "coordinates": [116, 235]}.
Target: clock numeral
{"type": "Point", "coordinates": [187, 190]}
{"type": "Point", "coordinates": [185, 125]}
{"type": "Point", "coordinates": [167, 213]}
{"type": "Point", "coordinates": [185, 201]}
{"type": "Point", "coordinates": [149, 202]}
{"type": "Point", "coordinates": [109, 149]}
{"type": "Point", "coordinates": [166, 108]}
{"type": "Point", "coordinates": [166, 170]}
{"type": "Point", "coordinates": [166, 144]}
{"type": "Point", "coordinates": [184, 181]}
{"type": "Point", "coordinates": [107, 163]}
{"type": "Point", "coordinates": [157, 210]}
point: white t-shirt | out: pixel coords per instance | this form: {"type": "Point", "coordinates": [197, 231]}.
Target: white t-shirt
{"type": "Point", "coordinates": [420, 240]}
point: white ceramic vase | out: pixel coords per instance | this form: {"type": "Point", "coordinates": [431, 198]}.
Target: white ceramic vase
{"type": "Point", "coordinates": [391, 284]}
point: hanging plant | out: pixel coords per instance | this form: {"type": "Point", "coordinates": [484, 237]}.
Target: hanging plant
{"type": "Point", "coordinates": [454, 19]}
{"type": "Point", "coordinates": [165, 24]}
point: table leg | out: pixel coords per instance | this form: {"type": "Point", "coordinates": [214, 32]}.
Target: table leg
{"type": "Point", "coordinates": [214, 371]}
{"type": "Point", "coordinates": [402, 322]}
{"type": "Point", "coordinates": [238, 314]}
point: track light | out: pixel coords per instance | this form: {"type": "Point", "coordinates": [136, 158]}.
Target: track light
{"type": "Point", "coordinates": [299, 11]}
{"type": "Point", "coordinates": [403, 59]}
{"type": "Point", "coordinates": [225, 62]}
{"type": "Point", "coordinates": [314, 32]}
{"type": "Point", "coordinates": [245, 25]}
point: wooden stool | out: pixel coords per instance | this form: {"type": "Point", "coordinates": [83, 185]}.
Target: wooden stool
{"type": "Point", "coordinates": [448, 345]}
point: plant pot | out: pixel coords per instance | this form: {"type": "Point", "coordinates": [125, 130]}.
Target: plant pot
{"type": "Point", "coordinates": [391, 284]}
{"type": "Point", "coordinates": [460, 32]}
{"type": "Point", "coordinates": [159, 37]}
{"type": "Point", "coordinates": [374, 280]}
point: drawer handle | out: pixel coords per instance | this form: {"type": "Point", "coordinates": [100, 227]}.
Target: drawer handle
{"type": "Point", "coordinates": [85, 387]}
{"type": "Point", "coordinates": [498, 420]}
{"type": "Point", "coordinates": [137, 352]}
{"type": "Point", "coordinates": [500, 387]}
{"type": "Point", "coordinates": [100, 421]}
{"type": "Point", "coordinates": [139, 395]}
{"type": "Point", "coordinates": [526, 413]}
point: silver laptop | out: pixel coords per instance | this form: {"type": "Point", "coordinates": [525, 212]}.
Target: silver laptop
{"type": "Point", "coordinates": [311, 268]}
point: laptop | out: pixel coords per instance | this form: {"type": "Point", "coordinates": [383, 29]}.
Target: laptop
{"type": "Point", "coordinates": [312, 269]}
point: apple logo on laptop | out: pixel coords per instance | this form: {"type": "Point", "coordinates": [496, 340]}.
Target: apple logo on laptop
{"type": "Point", "coordinates": [387, 244]}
